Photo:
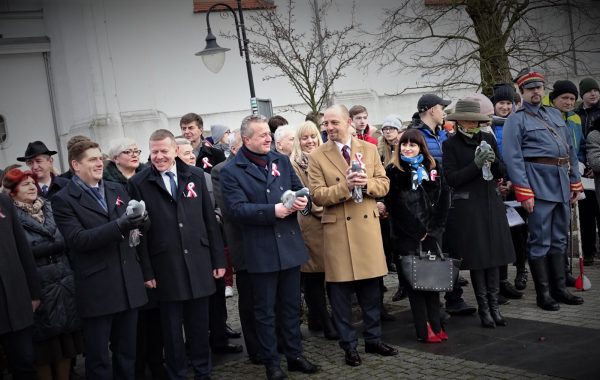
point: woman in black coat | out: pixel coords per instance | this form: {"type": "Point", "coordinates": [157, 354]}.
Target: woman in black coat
{"type": "Point", "coordinates": [19, 293]}
{"type": "Point", "coordinates": [479, 232]}
{"type": "Point", "coordinates": [56, 336]}
{"type": "Point", "coordinates": [418, 203]}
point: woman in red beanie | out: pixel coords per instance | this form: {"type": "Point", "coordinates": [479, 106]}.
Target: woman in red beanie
{"type": "Point", "coordinates": [56, 323]}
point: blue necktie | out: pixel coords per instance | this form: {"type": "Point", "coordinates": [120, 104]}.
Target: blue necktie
{"type": "Point", "coordinates": [99, 197]}
{"type": "Point", "coordinates": [173, 184]}
{"type": "Point", "coordinates": [45, 190]}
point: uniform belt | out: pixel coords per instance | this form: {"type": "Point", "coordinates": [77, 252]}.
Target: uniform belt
{"type": "Point", "coordinates": [557, 161]}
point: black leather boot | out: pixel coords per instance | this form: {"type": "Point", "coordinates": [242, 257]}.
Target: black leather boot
{"type": "Point", "coordinates": [521, 278]}
{"type": "Point", "coordinates": [509, 291]}
{"type": "Point", "coordinates": [479, 287]}
{"type": "Point", "coordinates": [539, 273]}
{"type": "Point", "coordinates": [558, 290]}
{"type": "Point", "coordinates": [492, 283]}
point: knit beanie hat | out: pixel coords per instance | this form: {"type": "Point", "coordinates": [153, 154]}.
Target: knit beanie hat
{"type": "Point", "coordinates": [503, 92]}
{"type": "Point", "coordinates": [563, 87]}
{"type": "Point", "coordinates": [217, 131]}
{"type": "Point", "coordinates": [393, 121]}
{"type": "Point", "coordinates": [588, 84]}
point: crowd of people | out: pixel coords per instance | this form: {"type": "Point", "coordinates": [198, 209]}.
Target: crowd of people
{"type": "Point", "coordinates": [130, 262]}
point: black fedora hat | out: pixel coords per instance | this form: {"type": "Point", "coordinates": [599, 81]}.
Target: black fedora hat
{"type": "Point", "coordinates": [35, 149]}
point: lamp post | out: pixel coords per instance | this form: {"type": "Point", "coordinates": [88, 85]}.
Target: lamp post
{"type": "Point", "coordinates": [213, 55]}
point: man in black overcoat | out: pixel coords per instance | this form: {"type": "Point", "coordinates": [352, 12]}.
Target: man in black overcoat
{"type": "Point", "coordinates": [182, 253]}
{"type": "Point", "coordinates": [90, 214]}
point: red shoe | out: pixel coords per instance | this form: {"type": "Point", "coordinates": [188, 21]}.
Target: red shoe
{"type": "Point", "coordinates": [442, 335]}
{"type": "Point", "coordinates": [431, 336]}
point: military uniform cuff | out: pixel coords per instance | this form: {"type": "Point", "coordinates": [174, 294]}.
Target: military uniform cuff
{"type": "Point", "coordinates": [522, 193]}
{"type": "Point", "coordinates": [577, 186]}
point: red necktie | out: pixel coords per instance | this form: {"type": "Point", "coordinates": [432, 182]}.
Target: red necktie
{"type": "Point", "coordinates": [346, 153]}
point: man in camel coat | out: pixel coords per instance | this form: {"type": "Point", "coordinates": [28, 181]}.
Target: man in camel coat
{"type": "Point", "coordinates": [354, 258]}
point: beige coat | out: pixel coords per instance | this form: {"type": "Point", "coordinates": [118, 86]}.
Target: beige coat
{"type": "Point", "coordinates": [351, 231]}
{"type": "Point", "coordinates": [312, 231]}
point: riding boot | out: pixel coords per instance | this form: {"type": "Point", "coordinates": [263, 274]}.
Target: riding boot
{"type": "Point", "coordinates": [539, 273]}
{"type": "Point", "coordinates": [492, 284]}
{"type": "Point", "coordinates": [558, 288]}
{"type": "Point", "coordinates": [479, 287]}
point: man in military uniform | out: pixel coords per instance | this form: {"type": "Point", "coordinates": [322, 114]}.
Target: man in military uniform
{"type": "Point", "coordinates": [542, 164]}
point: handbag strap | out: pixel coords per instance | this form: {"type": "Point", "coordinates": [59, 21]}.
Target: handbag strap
{"type": "Point", "coordinates": [423, 254]}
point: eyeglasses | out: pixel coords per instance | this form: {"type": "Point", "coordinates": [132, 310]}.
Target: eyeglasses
{"type": "Point", "coordinates": [388, 129]}
{"type": "Point", "coordinates": [131, 152]}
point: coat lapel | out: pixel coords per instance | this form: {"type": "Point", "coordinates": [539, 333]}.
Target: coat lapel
{"type": "Point", "coordinates": [251, 169]}
{"type": "Point", "coordinates": [357, 147]}
{"type": "Point", "coordinates": [273, 160]}
{"type": "Point", "coordinates": [183, 178]}
{"type": "Point", "coordinates": [111, 195]}
{"type": "Point", "coordinates": [335, 156]}
{"type": "Point", "coordinates": [156, 178]}
{"type": "Point", "coordinates": [85, 200]}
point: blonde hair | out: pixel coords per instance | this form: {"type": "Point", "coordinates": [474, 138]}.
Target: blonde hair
{"type": "Point", "coordinates": [308, 127]}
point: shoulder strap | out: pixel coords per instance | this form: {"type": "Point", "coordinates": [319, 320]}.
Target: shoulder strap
{"type": "Point", "coordinates": [550, 128]}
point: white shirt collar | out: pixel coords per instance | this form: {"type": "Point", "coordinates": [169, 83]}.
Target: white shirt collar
{"type": "Point", "coordinates": [348, 144]}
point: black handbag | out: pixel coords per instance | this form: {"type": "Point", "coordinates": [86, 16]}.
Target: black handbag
{"type": "Point", "coordinates": [429, 271]}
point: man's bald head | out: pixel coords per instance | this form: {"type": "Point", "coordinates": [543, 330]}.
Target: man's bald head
{"type": "Point", "coordinates": [336, 120]}
{"type": "Point", "coordinates": [339, 109]}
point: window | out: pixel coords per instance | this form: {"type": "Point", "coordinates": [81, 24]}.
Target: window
{"type": "Point", "coordinates": [3, 132]}
{"type": "Point", "coordinates": [201, 6]}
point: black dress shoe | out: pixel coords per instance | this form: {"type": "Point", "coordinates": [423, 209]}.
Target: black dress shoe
{"type": "Point", "coordinates": [275, 373]}
{"type": "Point", "coordinates": [462, 281]}
{"type": "Point", "coordinates": [231, 333]}
{"type": "Point", "coordinates": [460, 308]}
{"type": "Point", "coordinates": [301, 364]}
{"type": "Point", "coordinates": [352, 358]}
{"type": "Point", "coordinates": [380, 348]}
{"type": "Point", "coordinates": [386, 317]}
{"type": "Point", "coordinates": [509, 291]}
{"type": "Point", "coordinates": [228, 349]}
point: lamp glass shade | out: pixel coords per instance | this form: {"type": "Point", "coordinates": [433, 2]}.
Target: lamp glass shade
{"type": "Point", "coordinates": [215, 61]}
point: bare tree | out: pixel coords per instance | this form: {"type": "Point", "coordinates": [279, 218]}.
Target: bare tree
{"type": "Point", "coordinates": [454, 43]}
{"type": "Point", "coordinates": [311, 63]}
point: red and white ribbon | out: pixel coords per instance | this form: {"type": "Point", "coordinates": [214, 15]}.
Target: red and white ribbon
{"type": "Point", "coordinates": [190, 188]}
{"type": "Point", "coordinates": [2, 216]}
{"type": "Point", "coordinates": [119, 201]}
{"type": "Point", "coordinates": [205, 163]}
{"type": "Point", "coordinates": [433, 175]}
{"type": "Point", "coordinates": [274, 170]}
{"type": "Point", "coordinates": [358, 157]}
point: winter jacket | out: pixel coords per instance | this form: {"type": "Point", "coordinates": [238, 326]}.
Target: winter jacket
{"type": "Point", "coordinates": [497, 128]}
{"type": "Point", "coordinates": [57, 313]}
{"type": "Point", "coordinates": [113, 174]}
{"type": "Point", "coordinates": [366, 136]}
{"type": "Point", "coordinates": [434, 140]}
{"type": "Point", "coordinates": [414, 213]}
{"type": "Point", "coordinates": [588, 115]}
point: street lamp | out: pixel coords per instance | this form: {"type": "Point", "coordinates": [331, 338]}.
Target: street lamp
{"type": "Point", "coordinates": [213, 55]}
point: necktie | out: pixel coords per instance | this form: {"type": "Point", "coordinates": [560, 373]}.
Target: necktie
{"type": "Point", "coordinates": [173, 184]}
{"type": "Point", "coordinates": [99, 197]}
{"type": "Point", "coordinates": [44, 190]}
{"type": "Point", "coordinates": [346, 153]}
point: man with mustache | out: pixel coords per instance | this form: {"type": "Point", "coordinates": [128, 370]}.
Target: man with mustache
{"type": "Point", "coordinates": [542, 165]}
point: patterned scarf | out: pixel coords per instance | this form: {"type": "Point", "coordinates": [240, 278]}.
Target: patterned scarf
{"type": "Point", "coordinates": [34, 209]}
{"type": "Point", "coordinates": [469, 132]}
{"type": "Point", "coordinates": [302, 161]}
{"type": "Point", "coordinates": [417, 169]}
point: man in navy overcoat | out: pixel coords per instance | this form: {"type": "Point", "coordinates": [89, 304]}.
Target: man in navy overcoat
{"type": "Point", "coordinates": [253, 183]}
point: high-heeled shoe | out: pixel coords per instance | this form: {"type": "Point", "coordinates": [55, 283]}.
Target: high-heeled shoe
{"type": "Point", "coordinates": [442, 335]}
{"type": "Point", "coordinates": [431, 336]}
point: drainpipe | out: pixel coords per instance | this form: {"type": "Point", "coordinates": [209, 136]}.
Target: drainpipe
{"type": "Point", "coordinates": [46, 56]}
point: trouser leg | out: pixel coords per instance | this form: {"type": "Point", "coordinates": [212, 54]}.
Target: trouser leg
{"type": "Point", "coordinates": [367, 293]}
{"type": "Point", "coordinates": [340, 295]}
{"type": "Point", "coordinates": [18, 348]}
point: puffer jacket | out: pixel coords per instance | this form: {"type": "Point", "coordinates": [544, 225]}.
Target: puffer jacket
{"type": "Point", "coordinates": [413, 213]}
{"type": "Point", "coordinates": [434, 140]}
{"type": "Point", "coordinates": [57, 313]}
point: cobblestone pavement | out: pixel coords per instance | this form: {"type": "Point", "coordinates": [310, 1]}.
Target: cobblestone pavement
{"type": "Point", "coordinates": [417, 364]}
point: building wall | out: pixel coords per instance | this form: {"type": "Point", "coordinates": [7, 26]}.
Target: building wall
{"type": "Point", "coordinates": [125, 68]}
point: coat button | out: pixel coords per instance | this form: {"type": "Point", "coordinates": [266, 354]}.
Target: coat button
{"type": "Point", "coordinates": [268, 191]}
{"type": "Point", "coordinates": [281, 188]}
{"type": "Point", "coordinates": [293, 233]}
{"type": "Point", "coordinates": [365, 217]}
{"type": "Point", "coordinates": [124, 261]}
{"type": "Point", "coordinates": [180, 225]}
{"type": "Point", "coordinates": [185, 251]}
{"type": "Point", "coordinates": [278, 235]}
{"type": "Point", "coordinates": [348, 218]}
{"type": "Point", "coordinates": [337, 179]}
